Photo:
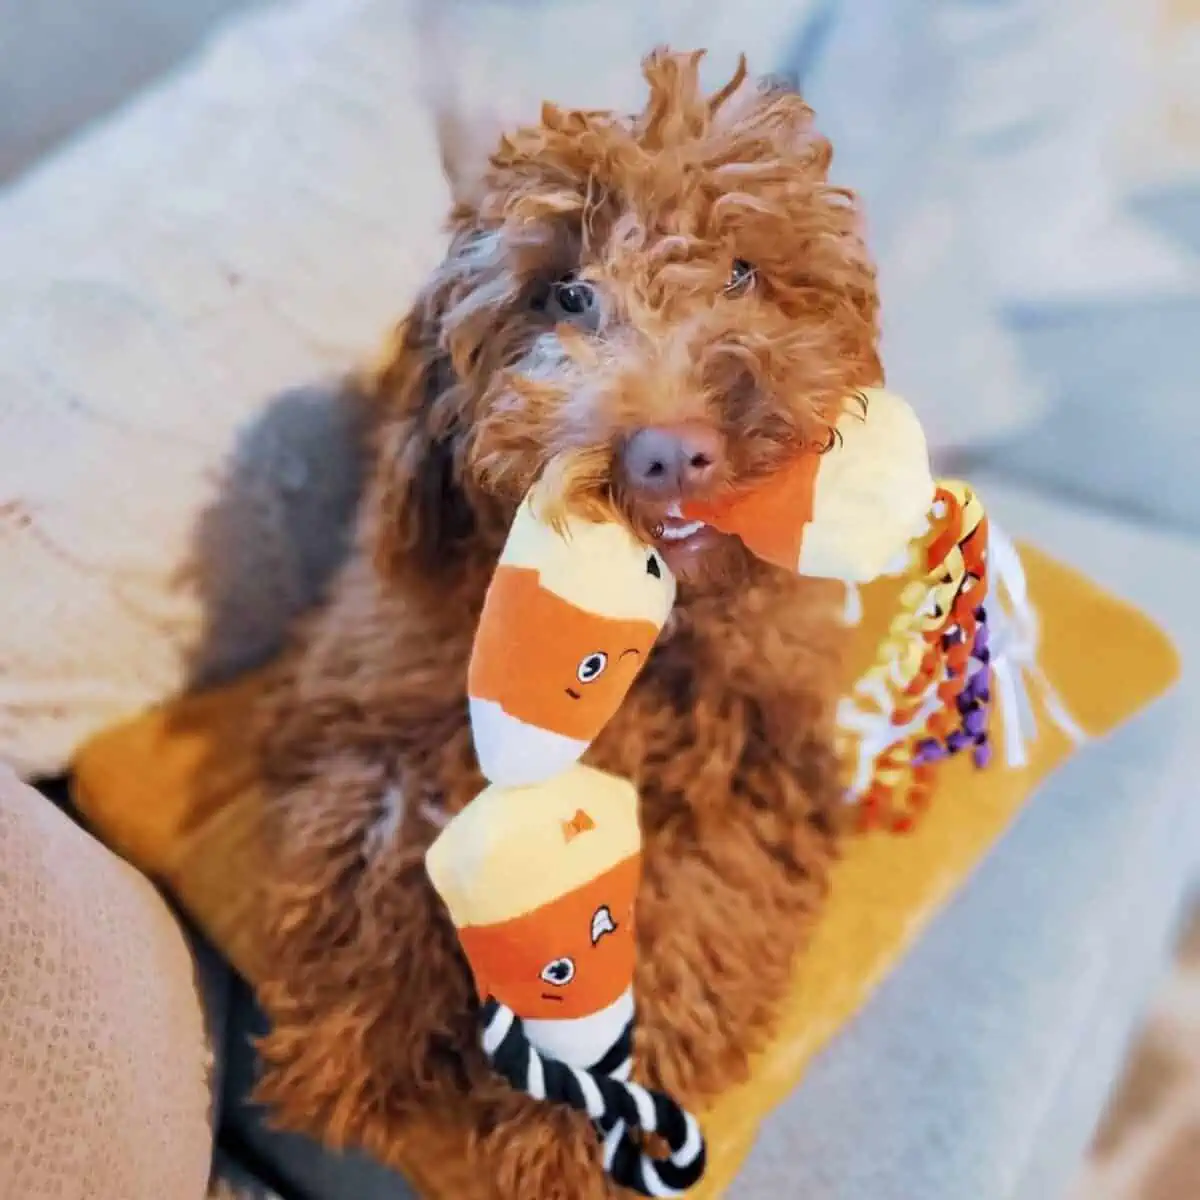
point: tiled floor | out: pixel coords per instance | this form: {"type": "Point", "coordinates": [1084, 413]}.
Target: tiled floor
{"type": "Point", "coordinates": [1148, 1146]}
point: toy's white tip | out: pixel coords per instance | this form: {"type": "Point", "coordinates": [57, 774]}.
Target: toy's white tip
{"type": "Point", "coordinates": [514, 754]}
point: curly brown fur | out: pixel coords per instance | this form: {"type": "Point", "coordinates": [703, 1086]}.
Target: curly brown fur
{"type": "Point", "coordinates": [728, 731]}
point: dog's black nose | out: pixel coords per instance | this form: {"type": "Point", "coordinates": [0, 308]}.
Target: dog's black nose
{"type": "Point", "coordinates": [669, 462]}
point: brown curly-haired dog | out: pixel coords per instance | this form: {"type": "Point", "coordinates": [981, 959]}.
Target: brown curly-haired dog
{"type": "Point", "coordinates": [655, 306]}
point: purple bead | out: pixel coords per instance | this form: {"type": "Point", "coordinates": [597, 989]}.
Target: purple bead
{"type": "Point", "coordinates": [978, 690]}
{"type": "Point", "coordinates": [975, 722]}
{"type": "Point", "coordinates": [957, 741]}
{"type": "Point", "coordinates": [982, 640]}
{"type": "Point", "coordinates": [928, 750]}
{"type": "Point", "coordinates": [983, 753]}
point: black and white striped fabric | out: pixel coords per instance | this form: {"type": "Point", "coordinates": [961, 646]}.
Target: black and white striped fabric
{"type": "Point", "coordinates": [618, 1107]}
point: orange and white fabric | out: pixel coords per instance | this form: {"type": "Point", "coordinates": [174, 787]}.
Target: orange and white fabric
{"type": "Point", "coordinates": [569, 620]}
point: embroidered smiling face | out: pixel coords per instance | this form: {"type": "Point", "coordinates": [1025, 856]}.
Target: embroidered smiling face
{"type": "Point", "coordinates": [557, 667]}
{"type": "Point", "coordinates": [568, 958]}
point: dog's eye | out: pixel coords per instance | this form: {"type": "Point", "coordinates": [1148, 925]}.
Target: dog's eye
{"type": "Point", "coordinates": [574, 296]}
{"type": "Point", "coordinates": [573, 301]}
{"type": "Point", "coordinates": [592, 667]}
{"type": "Point", "coordinates": [741, 277]}
{"type": "Point", "coordinates": [560, 972]}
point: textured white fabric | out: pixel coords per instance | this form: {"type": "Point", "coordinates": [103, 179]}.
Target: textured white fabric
{"type": "Point", "coordinates": [896, 141]}
{"type": "Point", "coordinates": [1044, 95]}
{"type": "Point", "coordinates": [502, 58]}
{"type": "Point", "coordinates": [1084, 183]}
{"type": "Point", "coordinates": [251, 227]}
{"type": "Point", "coordinates": [1158, 129]}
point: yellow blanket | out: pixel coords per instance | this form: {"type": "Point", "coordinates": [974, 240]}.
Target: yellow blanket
{"type": "Point", "coordinates": [174, 791]}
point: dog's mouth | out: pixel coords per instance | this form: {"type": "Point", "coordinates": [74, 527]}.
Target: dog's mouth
{"type": "Point", "coordinates": [682, 542]}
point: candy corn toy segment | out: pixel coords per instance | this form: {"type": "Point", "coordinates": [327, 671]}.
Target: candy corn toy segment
{"type": "Point", "coordinates": [844, 513]}
{"type": "Point", "coordinates": [599, 567]}
{"type": "Point", "coordinates": [568, 622]}
{"type": "Point", "coordinates": [561, 668]}
{"type": "Point", "coordinates": [541, 882]}
{"type": "Point", "coordinates": [864, 507]}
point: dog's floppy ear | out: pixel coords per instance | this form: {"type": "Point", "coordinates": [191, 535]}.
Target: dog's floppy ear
{"type": "Point", "coordinates": [417, 514]}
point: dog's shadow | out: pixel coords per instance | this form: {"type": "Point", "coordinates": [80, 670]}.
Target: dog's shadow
{"type": "Point", "coordinates": [266, 549]}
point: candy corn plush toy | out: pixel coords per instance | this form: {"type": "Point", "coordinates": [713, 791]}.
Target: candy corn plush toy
{"type": "Point", "coordinates": [848, 512]}
{"type": "Point", "coordinates": [540, 872]}
{"type": "Point", "coordinates": [568, 622]}
{"type": "Point", "coordinates": [867, 507]}
{"type": "Point", "coordinates": [541, 882]}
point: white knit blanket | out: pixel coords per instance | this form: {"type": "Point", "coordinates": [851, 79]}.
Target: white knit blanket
{"type": "Point", "coordinates": [165, 288]}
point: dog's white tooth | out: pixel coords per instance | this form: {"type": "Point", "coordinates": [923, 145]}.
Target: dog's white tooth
{"type": "Point", "coordinates": [674, 510]}
{"type": "Point", "coordinates": [679, 532]}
